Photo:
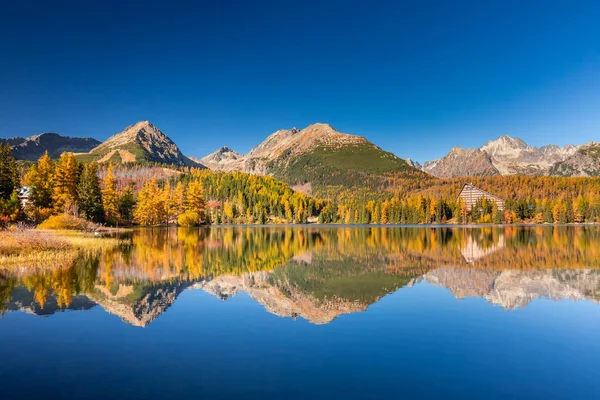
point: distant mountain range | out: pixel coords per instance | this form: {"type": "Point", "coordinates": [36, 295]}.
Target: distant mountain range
{"type": "Point", "coordinates": [33, 147]}
{"type": "Point", "coordinates": [509, 156]}
{"type": "Point", "coordinates": [320, 155]}
{"type": "Point", "coordinates": [138, 143]}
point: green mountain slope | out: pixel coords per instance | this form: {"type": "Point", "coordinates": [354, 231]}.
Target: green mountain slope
{"type": "Point", "coordinates": [317, 156]}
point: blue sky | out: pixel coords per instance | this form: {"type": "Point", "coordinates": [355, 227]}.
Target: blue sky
{"type": "Point", "coordinates": [414, 77]}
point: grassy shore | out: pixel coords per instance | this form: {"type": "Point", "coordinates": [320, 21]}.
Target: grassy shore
{"type": "Point", "coordinates": [48, 249]}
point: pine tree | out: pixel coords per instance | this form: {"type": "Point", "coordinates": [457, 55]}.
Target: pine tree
{"type": "Point", "coordinates": [110, 197]}
{"type": "Point", "coordinates": [497, 215]}
{"type": "Point", "coordinates": [9, 174]}
{"type": "Point", "coordinates": [90, 195]}
{"type": "Point", "coordinates": [126, 205]}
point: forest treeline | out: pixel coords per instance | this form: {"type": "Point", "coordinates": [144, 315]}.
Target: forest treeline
{"type": "Point", "coordinates": [407, 200]}
{"type": "Point", "coordinates": [149, 196]}
{"type": "Point", "coordinates": [156, 195]}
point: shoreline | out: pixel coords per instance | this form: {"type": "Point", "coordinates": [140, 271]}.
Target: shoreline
{"type": "Point", "coordinates": [523, 224]}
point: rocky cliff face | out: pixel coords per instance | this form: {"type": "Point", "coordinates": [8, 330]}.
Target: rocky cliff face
{"type": "Point", "coordinates": [138, 311]}
{"type": "Point", "coordinates": [33, 147]}
{"type": "Point", "coordinates": [504, 156]}
{"type": "Point", "coordinates": [285, 301]}
{"type": "Point", "coordinates": [583, 162]}
{"type": "Point", "coordinates": [461, 162]}
{"type": "Point", "coordinates": [224, 159]}
{"type": "Point", "coordinates": [141, 142]}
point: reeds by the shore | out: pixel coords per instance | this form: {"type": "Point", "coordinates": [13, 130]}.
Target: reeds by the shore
{"type": "Point", "coordinates": [46, 250]}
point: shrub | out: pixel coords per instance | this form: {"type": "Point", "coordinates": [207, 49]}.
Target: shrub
{"type": "Point", "coordinates": [65, 221]}
{"type": "Point", "coordinates": [189, 219]}
{"type": "Point", "coordinates": [37, 215]}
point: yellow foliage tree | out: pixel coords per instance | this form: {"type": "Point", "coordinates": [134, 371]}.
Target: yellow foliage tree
{"type": "Point", "coordinates": [64, 194]}
{"type": "Point", "coordinates": [150, 207]}
{"type": "Point", "coordinates": [194, 200]}
{"type": "Point", "coordinates": [110, 197]}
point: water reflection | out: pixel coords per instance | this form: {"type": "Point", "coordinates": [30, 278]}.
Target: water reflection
{"type": "Point", "coordinates": [316, 273]}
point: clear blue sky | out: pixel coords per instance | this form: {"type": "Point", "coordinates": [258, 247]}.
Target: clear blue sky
{"type": "Point", "coordinates": [414, 77]}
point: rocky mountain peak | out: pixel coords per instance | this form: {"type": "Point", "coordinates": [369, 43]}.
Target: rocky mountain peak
{"type": "Point", "coordinates": [504, 145]}
{"type": "Point", "coordinates": [44, 135]}
{"type": "Point", "coordinates": [413, 163]}
{"type": "Point", "coordinates": [321, 125]}
{"type": "Point", "coordinates": [224, 159]}
{"type": "Point", "coordinates": [461, 162]}
{"type": "Point", "coordinates": [224, 153]}
{"type": "Point", "coordinates": [142, 141]}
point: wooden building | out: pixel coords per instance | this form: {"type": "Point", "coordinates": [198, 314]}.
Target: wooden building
{"type": "Point", "coordinates": [470, 194]}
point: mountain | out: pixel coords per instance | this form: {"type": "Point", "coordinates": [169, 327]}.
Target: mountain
{"type": "Point", "coordinates": [141, 142]}
{"type": "Point", "coordinates": [315, 155]}
{"type": "Point", "coordinates": [511, 289]}
{"type": "Point", "coordinates": [461, 162]}
{"type": "Point", "coordinates": [223, 159]}
{"type": "Point", "coordinates": [507, 156]}
{"type": "Point", "coordinates": [584, 162]}
{"type": "Point", "coordinates": [138, 304]}
{"type": "Point", "coordinates": [33, 147]}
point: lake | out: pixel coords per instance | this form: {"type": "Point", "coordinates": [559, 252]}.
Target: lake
{"type": "Point", "coordinates": [311, 312]}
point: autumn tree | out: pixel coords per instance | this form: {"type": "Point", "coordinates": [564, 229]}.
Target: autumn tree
{"type": "Point", "coordinates": [149, 208]}
{"type": "Point", "coordinates": [11, 209]}
{"type": "Point", "coordinates": [110, 196]}
{"type": "Point", "coordinates": [194, 204]}
{"type": "Point", "coordinates": [64, 194]}
{"type": "Point", "coordinates": [40, 180]}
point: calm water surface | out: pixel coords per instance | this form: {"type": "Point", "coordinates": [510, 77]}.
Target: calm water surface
{"type": "Point", "coordinates": [311, 313]}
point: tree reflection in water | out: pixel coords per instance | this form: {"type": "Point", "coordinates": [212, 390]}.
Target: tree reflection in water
{"type": "Point", "coordinates": [316, 273]}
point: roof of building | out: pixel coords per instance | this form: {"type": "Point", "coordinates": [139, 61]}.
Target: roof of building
{"type": "Point", "coordinates": [486, 193]}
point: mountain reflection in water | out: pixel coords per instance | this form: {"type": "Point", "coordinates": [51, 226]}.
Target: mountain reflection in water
{"type": "Point", "coordinates": [315, 273]}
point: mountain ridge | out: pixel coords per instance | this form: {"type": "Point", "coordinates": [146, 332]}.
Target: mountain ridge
{"type": "Point", "coordinates": [508, 156]}
{"type": "Point", "coordinates": [319, 155]}
{"type": "Point", "coordinates": [33, 147]}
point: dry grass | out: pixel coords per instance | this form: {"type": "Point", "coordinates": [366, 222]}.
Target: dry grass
{"type": "Point", "coordinates": [36, 250]}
